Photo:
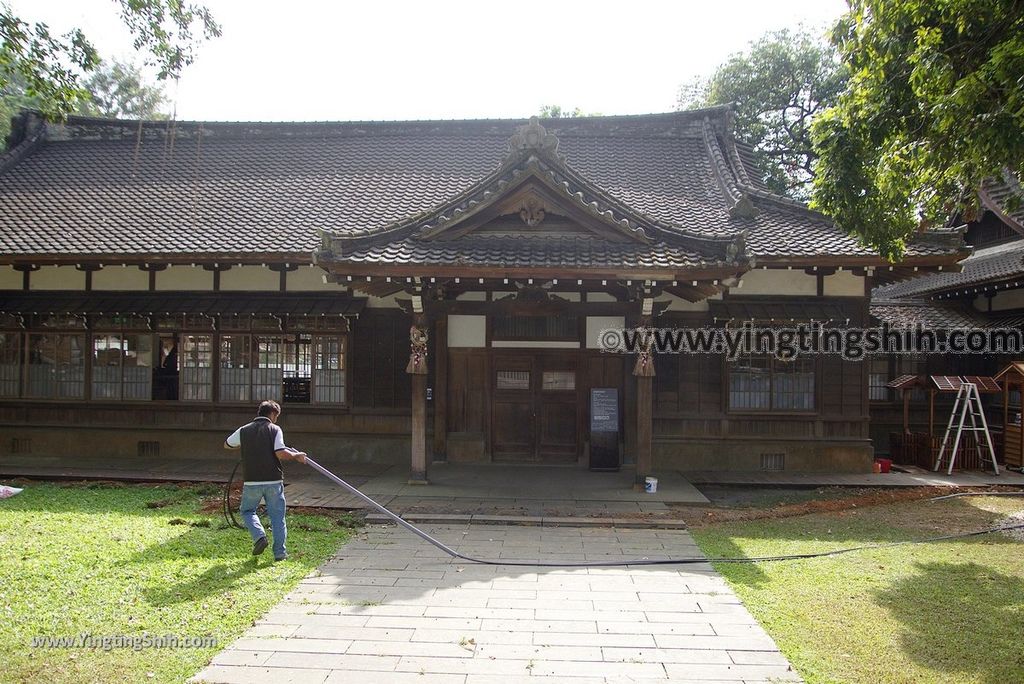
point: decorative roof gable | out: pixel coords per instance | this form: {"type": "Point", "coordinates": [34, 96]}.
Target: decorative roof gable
{"type": "Point", "coordinates": [534, 194]}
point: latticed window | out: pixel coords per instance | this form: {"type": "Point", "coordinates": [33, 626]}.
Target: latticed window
{"type": "Point", "coordinates": [291, 368]}
{"type": "Point", "coordinates": [760, 382]}
{"type": "Point", "coordinates": [56, 366]}
{"type": "Point", "coordinates": [196, 361]}
{"type": "Point", "coordinates": [10, 364]}
{"type": "Point", "coordinates": [329, 369]}
{"type": "Point", "coordinates": [122, 366]}
{"type": "Point", "coordinates": [878, 378]}
{"type": "Point", "coordinates": [268, 375]}
{"type": "Point", "coordinates": [235, 368]}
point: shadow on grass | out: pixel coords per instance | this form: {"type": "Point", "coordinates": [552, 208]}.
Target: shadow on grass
{"type": "Point", "coordinates": [216, 580]}
{"type": "Point", "coordinates": [961, 617]}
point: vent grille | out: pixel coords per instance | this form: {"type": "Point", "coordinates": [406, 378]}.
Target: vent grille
{"type": "Point", "coordinates": [147, 449]}
{"type": "Point", "coordinates": [773, 462]}
{"type": "Point", "coordinates": [21, 445]}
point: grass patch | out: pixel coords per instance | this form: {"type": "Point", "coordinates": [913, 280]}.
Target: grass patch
{"type": "Point", "coordinates": [949, 611]}
{"type": "Point", "coordinates": [134, 560]}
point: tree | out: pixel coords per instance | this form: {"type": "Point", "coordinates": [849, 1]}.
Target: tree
{"type": "Point", "coordinates": [556, 112]}
{"type": "Point", "coordinates": [777, 87]}
{"type": "Point", "coordinates": [48, 69]}
{"type": "Point", "coordinates": [41, 67]}
{"type": "Point", "coordinates": [114, 90]}
{"type": "Point", "coordinates": [12, 101]}
{"type": "Point", "coordinates": [934, 106]}
{"type": "Point", "coordinates": [118, 90]}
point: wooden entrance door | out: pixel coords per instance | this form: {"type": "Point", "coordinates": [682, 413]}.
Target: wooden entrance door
{"type": "Point", "coordinates": [535, 408]}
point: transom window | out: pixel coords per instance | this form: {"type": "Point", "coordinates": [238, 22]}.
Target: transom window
{"type": "Point", "coordinates": [513, 327]}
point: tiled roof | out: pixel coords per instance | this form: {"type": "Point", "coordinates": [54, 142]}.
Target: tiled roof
{"type": "Point", "coordinates": [504, 251]}
{"type": "Point", "coordinates": [930, 315]}
{"type": "Point", "coordinates": [94, 187]}
{"type": "Point", "coordinates": [1005, 197]}
{"type": "Point", "coordinates": [990, 264]}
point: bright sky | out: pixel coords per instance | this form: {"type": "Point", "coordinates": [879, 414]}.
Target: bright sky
{"type": "Point", "coordinates": [334, 60]}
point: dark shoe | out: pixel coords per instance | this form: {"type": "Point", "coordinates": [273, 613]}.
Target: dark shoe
{"type": "Point", "coordinates": [260, 546]}
{"type": "Point", "coordinates": [284, 557]}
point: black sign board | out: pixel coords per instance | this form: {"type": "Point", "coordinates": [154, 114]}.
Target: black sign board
{"type": "Point", "coordinates": [604, 409]}
{"type": "Point", "coordinates": [604, 428]}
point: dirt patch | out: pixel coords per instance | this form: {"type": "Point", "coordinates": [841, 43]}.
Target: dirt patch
{"type": "Point", "coordinates": [697, 516]}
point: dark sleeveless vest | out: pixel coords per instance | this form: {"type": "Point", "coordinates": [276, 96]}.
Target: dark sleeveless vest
{"type": "Point", "coordinates": [259, 462]}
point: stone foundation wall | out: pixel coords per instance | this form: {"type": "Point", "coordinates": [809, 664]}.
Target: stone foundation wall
{"type": "Point", "coordinates": [119, 443]}
{"type": "Point", "coordinates": [854, 456]}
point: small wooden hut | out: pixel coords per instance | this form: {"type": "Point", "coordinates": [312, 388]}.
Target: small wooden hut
{"type": "Point", "coordinates": [920, 448]}
{"type": "Point", "coordinates": [1011, 379]}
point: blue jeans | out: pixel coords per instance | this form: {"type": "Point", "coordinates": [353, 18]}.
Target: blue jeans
{"type": "Point", "coordinates": [273, 495]}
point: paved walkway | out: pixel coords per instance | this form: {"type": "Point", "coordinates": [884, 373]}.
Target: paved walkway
{"type": "Point", "coordinates": [501, 489]}
{"type": "Point", "coordinates": [389, 608]}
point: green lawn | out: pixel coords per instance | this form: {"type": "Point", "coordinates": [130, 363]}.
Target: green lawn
{"type": "Point", "coordinates": [131, 560]}
{"type": "Point", "coordinates": [941, 612]}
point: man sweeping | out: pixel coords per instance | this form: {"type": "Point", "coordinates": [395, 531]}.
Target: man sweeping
{"type": "Point", "coordinates": [263, 449]}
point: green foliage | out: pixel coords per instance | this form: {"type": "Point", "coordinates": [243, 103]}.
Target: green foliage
{"type": "Point", "coordinates": [557, 112]}
{"type": "Point", "coordinates": [169, 30]}
{"type": "Point", "coordinates": [103, 560]}
{"type": "Point", "coordinates": [46, 72]}
{"type": "Point", "coordinates": [934, 105]}
{"type": "Point", "coordinates": [118, 90]}
{"type": "Point", "coordinates": [777, 87]}
{"type": "Point", "coordinates": [42, 67]}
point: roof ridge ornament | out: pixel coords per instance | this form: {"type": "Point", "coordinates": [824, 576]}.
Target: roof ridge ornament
{"type": "Point", "coordinates": [532, 137]}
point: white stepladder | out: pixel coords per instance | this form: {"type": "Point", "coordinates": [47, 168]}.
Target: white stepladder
{"type": "Point", "coordinates": [967, 405]}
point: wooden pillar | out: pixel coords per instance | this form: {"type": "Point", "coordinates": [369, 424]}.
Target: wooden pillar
{"type": "Point", "coordinates": [643, 371]}
{"type": "Point", "coordinates": [417, 368]}
{"type": "Point", "coordinates": [931, 413]}
{"type": "Point", "coordinates": [418, 473]}
{"type": "Point", "coordinates": [906, 411]}
{"type": "Point", "coordinates": [441, 388]}
{"type": "Point", "coordinates": [644, 428]}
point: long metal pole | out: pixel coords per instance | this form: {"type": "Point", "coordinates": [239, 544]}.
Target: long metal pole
{"type": "Point", "coordinates": [398, 519]}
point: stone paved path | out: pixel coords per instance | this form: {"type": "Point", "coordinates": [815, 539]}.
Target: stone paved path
{"type": "Point", "coordinates": [390, 608]}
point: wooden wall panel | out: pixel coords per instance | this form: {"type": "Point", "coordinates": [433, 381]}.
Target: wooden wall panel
{"type": "Point", "coordinates": [380, 351]}
{"type": "Point", "coordinates": [468, 393]}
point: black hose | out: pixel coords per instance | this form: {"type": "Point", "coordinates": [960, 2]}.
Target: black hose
{"type": "Point", "coordinates": [959, 494]}
{"type": "Point", "coordinates": [643, 561]}
{"type": "Point", "coordinates": [229, 514]}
